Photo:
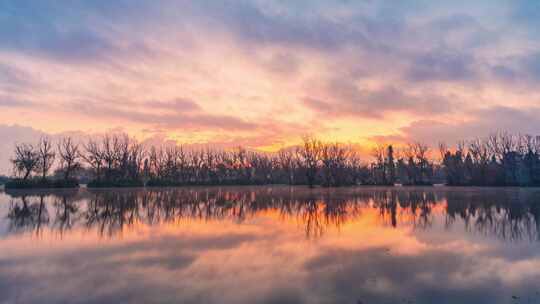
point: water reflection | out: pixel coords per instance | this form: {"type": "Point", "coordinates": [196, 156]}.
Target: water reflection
{"type": "Point", "coordinates": [270, 245]}
{"type": "Point", "coordinates": [507, 214]}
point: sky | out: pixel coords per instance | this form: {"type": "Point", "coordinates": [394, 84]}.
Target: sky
{"type": "Point", "coordinates": [262, 74]}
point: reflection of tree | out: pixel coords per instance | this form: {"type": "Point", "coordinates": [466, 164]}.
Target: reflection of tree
{"type": "Point", "coordinates": [24, 215]}
{"type": "Point", "coordinates": [66, 211]}
{"type": "Point", "coordinates": [110, 211]}
{"type": "Point", "coordinates": [312, 218]}
{"type": "Point", "coordinates": [507, 214]}
{"type": "Point", "coordinates": [511, 215]}
{"type": "Point", "coordinates": [406, 207]}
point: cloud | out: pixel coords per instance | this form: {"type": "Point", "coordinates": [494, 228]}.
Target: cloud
{"type": "Point", "coordinates": [283, 63]}
{"type": "Point", "coordinates": [518, 70]}
{"type": "Point", "coordinates": [442, 65]}
{"type": "Point", "coordinates": [60, 32]}
{"type": "Point", "coordinates": [256, 25]}
{"type": "Point", "coordinates": [177, 105]}
{"type": "Point", "coordinates": [14, 103]}
{"type": "Point", "coordinates": [262, 72]}
{"type": "Point", "coordinates": [13, 78]}
{"type": "Point", "coordinates": [527, 12]}
{"type": "Point", "coordinates": [185, 115]}
{"type": "Point", "coordinates": [346, 99]}
{"type": "Point", "coordinates": [483, 122]}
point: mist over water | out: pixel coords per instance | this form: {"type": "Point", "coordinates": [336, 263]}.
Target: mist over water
{"type": "Point", "coordinates": [271, 245]}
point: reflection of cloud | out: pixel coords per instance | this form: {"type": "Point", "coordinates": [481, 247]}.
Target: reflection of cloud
{"type": "Point", "coordinates": [230, 237]}
{"type": "Point", "coordinates": [98, 273]}
{"type": "Point", "coordinates": [375, 275]}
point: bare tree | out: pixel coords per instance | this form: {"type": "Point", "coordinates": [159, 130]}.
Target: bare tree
{"type": "Point", "coordinates": [94, 156]}
{"type": "Point", "coordinates": [379, 167]}
{"type": "Point", "coordinates": [443, 149]}
{"type": "Point", "coordinates": [26, 160]}
{"type": "Point", "coordinates": [69, 154]}
{"type": "Point", "coordinates": [333, 158]}
{"type": "Point", "coordinates": [310, 156]}
{"type": "Point", "coordinates": [157, 162]}
{"type": "Point", "coordinates": [287, 162]}
{"type": "Point", "coordinates": [46, 156]}
{"type": "Point", "coordinates": [132, 160]}
{"type": "Point", "coordinates": [111, 147]}
{"type": "Point", "coordinates": [358, 172]}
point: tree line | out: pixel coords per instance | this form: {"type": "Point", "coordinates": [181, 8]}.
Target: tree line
{"type": "Point", "coordinates": [501, 159]}
{"type": "Point", "coordinates": [116, 160]}
{"type": "Point", "coordinates": [497, 213]}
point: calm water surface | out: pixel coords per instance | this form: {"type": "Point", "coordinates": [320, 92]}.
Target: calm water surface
{"type": "Point", "coordinates": [271, 245]}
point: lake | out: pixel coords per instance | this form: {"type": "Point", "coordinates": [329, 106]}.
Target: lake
{"type": "Point", "coordinates": [271, 245]}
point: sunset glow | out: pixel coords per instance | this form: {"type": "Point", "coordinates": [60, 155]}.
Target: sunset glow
{"type": "Point", "coordinates": [263, 73]}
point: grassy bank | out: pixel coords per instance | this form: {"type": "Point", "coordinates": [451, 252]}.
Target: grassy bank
{"type": "Point", "coordinates": [18, 183]}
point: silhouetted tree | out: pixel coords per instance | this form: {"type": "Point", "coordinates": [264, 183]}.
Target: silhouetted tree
{"type": "Point", "coordinates": [334, 160]}
{"type": "Point", "coordinates": [378, 168]}
{"type": "Point", "coordinates": [94, 157]}
{"type": "Point", "coordinates": [310, 157]}
{"type": "Point", "coordinates": [46, 156]}
{"type": "Point", "coordinates": [69, 157]}
{"type": "Point", "coordinates": [501, 159]}
{"type": "Point", "coordinates": [390, 166]}
{"type": "Point", "coordinates": [26, 160]}
{"type": "Point", "coordinates": [288, 163]}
